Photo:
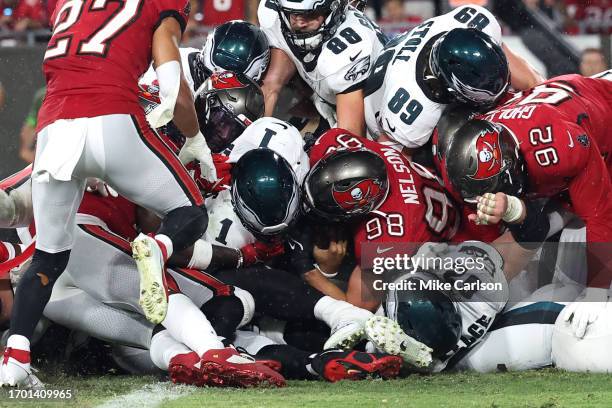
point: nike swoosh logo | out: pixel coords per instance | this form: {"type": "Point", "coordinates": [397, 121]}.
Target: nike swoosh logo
{"type": "Point", "coordinates": [380, 250]}
{"type": "Point", "coordinates": [391, 128]}
{"type": "Point", "coordinates": [355, 57]}
{"type": "Point", "coordinates": [283, 125]}
{"type": "Point", "coordinates": [571, 143]}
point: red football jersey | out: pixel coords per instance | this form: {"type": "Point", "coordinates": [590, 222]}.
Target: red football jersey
{"type": "Point", "coordinates": [560, 126]}
{"type": "Point", "coordinates": [416, 210]}
{"type": "Point", "coordinates": [98, 50]}
{"type": "Point", "coordinates": [217, 12]}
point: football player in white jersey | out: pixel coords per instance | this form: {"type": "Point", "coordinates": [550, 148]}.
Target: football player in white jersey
{"type": "Point", "coordinates": [449, 320]}
{"type": "Point", "coordinates": [455, 57]}
{"type": "Point", "coordinates": [331, 45]}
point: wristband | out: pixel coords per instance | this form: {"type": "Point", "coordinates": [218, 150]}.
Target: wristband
{"type": "Point", "coordinates": [514, 211]}
{"type": "Point", "coordinates": [240, 259]}
{"type": "Point", "coordinates": [327, 275]}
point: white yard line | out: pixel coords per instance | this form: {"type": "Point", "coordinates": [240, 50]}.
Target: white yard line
{"type": "Point", "coordinates": [149, 396]}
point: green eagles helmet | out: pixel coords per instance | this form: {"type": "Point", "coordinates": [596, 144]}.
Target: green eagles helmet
{"type": "Point", "coordinates": [265, 192]}
{"type": "Point", "coordinates": [237, 46]}
{"type": "Point", "coordinates": [471, 66]}
{"type": "Point", "coordinates": [429, 316]}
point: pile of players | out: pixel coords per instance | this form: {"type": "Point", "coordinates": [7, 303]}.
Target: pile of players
{"type": "Point", "coordinates": [228, 249]}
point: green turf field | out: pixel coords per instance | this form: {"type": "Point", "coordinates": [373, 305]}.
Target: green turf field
{"type": "Point", "coordinates": [547, 388]}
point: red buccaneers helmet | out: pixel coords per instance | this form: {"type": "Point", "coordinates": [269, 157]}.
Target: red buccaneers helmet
{"type": "Point", "coordinates": [346, 184]}
{"type": "Point", "coordinates": [483, 157]}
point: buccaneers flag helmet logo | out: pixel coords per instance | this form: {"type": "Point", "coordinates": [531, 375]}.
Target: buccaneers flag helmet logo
{"type": "Point", "coordinates": [226, 80]}
{"type": "Point", "coordinates": [489, 158]}
{"type": "Point", "coordinates": [361, 196]}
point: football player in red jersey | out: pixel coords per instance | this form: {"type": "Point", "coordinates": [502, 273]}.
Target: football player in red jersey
{"type": "Point", "coordinates": [91, 125]}
{"type": "Point", "coordinates": [550, 141]}
{"type": "Point", "coordinates": [397, 200]}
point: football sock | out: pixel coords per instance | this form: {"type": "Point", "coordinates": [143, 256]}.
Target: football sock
{"type": "Point", "coordinates": [333, 311]}
{"type": "Point", "coordinates": [184, 225]}
{"type": "Point", "coordinates": [34, 290]}
{"type": "Point", "coordinates": [164, 348]}
{"type": "Point", "coordinates": [188, 325]}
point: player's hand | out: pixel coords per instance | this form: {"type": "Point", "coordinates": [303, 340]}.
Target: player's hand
{"type": "Point", "coordinates": [95, 185]}
{"type": "Point", "coordinates": [592, 304]}
{"type": "Point", "coordinates": [223, 170]}
{"type": "Point", "coordinates": [330, 258]}
{"type": "Point", "coordinates": [490, 209]}
{"type": "Point", "coordinates": [196, 148]}
{"type": "Point", "coordinates": [261, 252]}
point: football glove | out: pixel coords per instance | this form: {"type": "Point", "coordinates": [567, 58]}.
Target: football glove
{"type": "Point", "coordinates": [260, 252]}
{"type": "Point", "coordinates": [196, 148]}
{"type": "Point", "coordinates": [586, 309]}
{"type": "Point", "coordinates": [223, 169]}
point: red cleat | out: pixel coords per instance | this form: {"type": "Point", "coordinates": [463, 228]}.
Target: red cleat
{"type": "Point", "coordinates": [227, 368]}
{"type": "Point", "coordinates": [336, 365]}
{"type": "Point", "coordinates": [185, 369]}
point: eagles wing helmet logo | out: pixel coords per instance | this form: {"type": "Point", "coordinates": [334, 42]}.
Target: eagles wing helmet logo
{"type": "Point", "coordinates": [226, 80]}
{"type": "Point", "coordinates": [358, 195]}
{"type": "Point", "coordinates": [489, 155]}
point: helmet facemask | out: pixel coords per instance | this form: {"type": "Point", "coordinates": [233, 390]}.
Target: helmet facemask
{"type": "Point", "coordinates": [332, 10]}
{"type": "Point", "coordinates": [219, 125]}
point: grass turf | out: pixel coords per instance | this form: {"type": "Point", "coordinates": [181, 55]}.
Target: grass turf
{"type": "Point", "coordinates": [545, 388]}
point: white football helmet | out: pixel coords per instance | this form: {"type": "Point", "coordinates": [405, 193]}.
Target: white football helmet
{"type": "Point", "coordinates": [333, 10]}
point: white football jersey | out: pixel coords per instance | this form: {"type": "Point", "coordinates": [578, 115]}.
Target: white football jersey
{"type": "Point", "coordinates": [340, 65]}
{"type": "Point", "coordinates": [396, 104]}
{"type": "Point", "coordinates": [477, 308]}
{"type": "Point", "coordinates": [224, 226]}
{"type": "Point", "coordinates": [150, 76]}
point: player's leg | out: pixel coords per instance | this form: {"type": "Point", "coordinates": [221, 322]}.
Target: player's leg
{"type": "Point", "coordinates": [72, 307]}
{"type": "Point", "coordinates": [284, 296]}
{"type": "Point", "coordinates": [55, 204]}
{"type": "Point", "coordinates": [140, 166]}
{"type": "Point", "coordinates": [331, 365]}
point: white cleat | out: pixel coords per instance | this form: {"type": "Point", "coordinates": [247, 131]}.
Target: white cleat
{"type": "Point", "coordinates": [15, 370]}
{"type": "Point", "coordinates": [345, 335]}
{"type": "Point", "coordinates": [150, 263]}
{"type": "Point", "coordinates": [389, 337]}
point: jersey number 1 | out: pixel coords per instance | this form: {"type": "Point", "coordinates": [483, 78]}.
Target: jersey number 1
{"type": "Point", "coordinates": [98, 42]}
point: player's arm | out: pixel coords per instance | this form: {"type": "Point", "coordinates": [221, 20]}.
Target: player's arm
{"type": "Point", "coordinates": [350, 111]}
{"type": "Point", "coordinates": [522, 74]}
{"type": "Point", "coordinates": [361, 291]}
{"type": "Point", "coordinates": [167, 64]}
{"type": "Point", "coordinates": [280, 71]}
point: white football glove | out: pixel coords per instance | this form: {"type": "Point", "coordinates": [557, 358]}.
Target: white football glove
{"type": "Point", "coordinates": [196, 148]}
{"type": "Point", "coordinates": [585, 310]}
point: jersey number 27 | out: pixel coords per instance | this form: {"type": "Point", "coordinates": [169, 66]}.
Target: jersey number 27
{"type": "Point", "coordinates": [97, 43]}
